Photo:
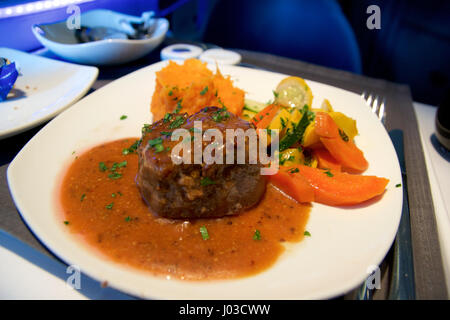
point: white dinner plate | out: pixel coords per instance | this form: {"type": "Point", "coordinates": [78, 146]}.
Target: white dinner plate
{"type": "Point", "coordinates": [345, 243]}
{"type": "Point", "coordinates": [43, 89]}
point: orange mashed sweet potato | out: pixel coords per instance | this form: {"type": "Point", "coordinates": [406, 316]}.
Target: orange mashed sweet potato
{"type": "Point", "coordinates": [191, 87]}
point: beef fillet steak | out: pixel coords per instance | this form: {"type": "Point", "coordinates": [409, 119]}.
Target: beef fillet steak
{"type": "Point", "coordinates": [195, 190]}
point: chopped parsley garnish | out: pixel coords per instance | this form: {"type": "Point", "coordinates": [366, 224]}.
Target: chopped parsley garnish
{"type": "Point", "coordinates": [170, 93]}
{"type": "Point", "coordinates": [257, 235]}
{"type": "Point", "coordinates": [221, 114]}
{"type": "Point", "coordinates": [343, 135]}
{"type": "Point", "coordinates": [132, 148]}
{"type": "Point", "coordinates": [205, 181]}
{"type": "Point", "coordinates": [113, 195]}
{"type": "Point", "coordinates": [297, 135]}
{"type": "Point", "coordinates": [127, 219]}
{"type": "Point", "coordinates": [146, 128]}
{"type": "Point", "coordinates": [166, 133]}
{"type": "Point", "coordinates": [102, 166]}
{"type": "Point", "coordinates": [275, 94]}
{"type": "Point", "coordinates": [154, 142]}
{"type": "Point", "coordinates": [109, 206]}
{"type": "Point", "coordinates": [293, 170]}
{"type": "Point", "coordinates": [204, 233]}
{"type": "Point", "coordinates": [83, 196]}
{"type": "Point", "coordinates": [328, 173]}
{"type": "Point", "coordinates": [167, 117]}
{"type": "Point", "coordinates": [179, 106]}
{"type": "Point", "coordinates": [123, 117]}
{"type": "Point", "coordinates": [115, 175]}
{"type": "Point", "coordinates": [205, 90]}
{"type": "Point", "coordinates": [311, 115]}
{"type": "Point", "coordinates": [66, 222]}
{"type": "Point", "coordinates": [117, 165]}
{"type": "Point", "coordinates": [159, 147]}
{"type": "Point", "coordinates": [122, 164]}
{"type": "Point", "coordinates": [119, 193]}
{"type": "Point", "coordinates": [307, 234]}
{"type": "Point", "coordinates": [223, 105]}
{"type": "Point", "coordinates": [179, 120]}
{"type": "Point", "coordinates": [283, 123]}
{"type": "Point", "coordinates": [398, 185]}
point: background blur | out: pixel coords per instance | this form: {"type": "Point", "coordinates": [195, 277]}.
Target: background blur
{"type": "Point", "coordinates": [412, 46]}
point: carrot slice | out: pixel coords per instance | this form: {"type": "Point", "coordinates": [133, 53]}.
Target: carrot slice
{"type": "Point", "coordinates": [344, 151]}
{"type": "Point", "coordinates": [293, 184]}
{"type": "Point", "coordinates": [325, 126]}
{"type": "Point", "coordinates": [341, 189]}
{"type": "Point", "coordinates": [263, 118]}
{"type": "Point", "coordinates": [347, 153]}
{"type": "Point", "coordinates": [325, 160]}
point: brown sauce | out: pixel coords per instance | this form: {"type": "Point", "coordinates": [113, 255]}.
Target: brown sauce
{"type": "Point", "coordinates": [111, 217]}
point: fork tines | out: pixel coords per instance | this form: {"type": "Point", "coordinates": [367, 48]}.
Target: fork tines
{"type": "Point", "coordinates": [376, 103]}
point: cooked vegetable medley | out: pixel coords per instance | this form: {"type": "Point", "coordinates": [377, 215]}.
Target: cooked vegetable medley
{"type": "Point", "coordinates": [318, 157]}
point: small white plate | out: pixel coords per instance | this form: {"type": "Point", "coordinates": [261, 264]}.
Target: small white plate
{"type": "Point", "coordinates": [43, 89]}
{"type": "Point", "coordinates": [58, 38]}
{"type": "Point", "coordinates": [344, 245]}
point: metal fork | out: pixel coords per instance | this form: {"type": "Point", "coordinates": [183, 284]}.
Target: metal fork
{"type": "Point", "coordinates": [377, 104]}
{"type": "Point", "coordinates": [401, 286]}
